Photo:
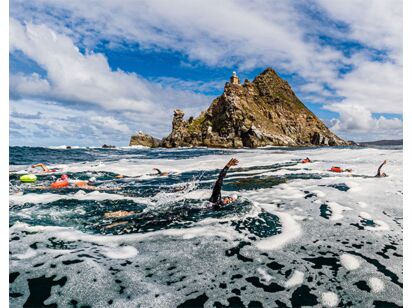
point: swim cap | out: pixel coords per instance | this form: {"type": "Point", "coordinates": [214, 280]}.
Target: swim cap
{"type": "Point", "coordinates": [233, 197]}
{"type": "Point", "coordinates": [92, 179]}
{"type": "Point", "coordinates": [64, 177]}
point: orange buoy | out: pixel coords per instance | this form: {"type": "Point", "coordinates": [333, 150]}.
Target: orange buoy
{"type": "Point", "coordinates": [59, 184]}
{"type": "Point", "coordinates": [336, 169]}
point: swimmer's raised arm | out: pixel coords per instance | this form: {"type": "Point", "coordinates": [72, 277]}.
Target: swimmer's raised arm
{"type": "Point", "coordinates": [379, 173]}
{"type": "Point", "coordinates": [216, 197]}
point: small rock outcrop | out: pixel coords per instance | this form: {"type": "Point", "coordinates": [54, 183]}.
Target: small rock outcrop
{"type": "Point", "coordinates": [253, 114]}
{"type": "Point", "coordinates": [108, 146]}
{"type": "Point", "coordinates": [143, 139]}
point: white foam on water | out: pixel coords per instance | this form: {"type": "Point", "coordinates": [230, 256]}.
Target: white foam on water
{"type": "Point", "coordinates": [69, 234]}
{"type": "Point", "coordinates": [288, 192]}
{"type": "Point", "coordinates": [264, 274]}
{"type": "Point", "coordinates": [329, 299]}
{"type": "Point", "coordinates": [362, 204]}
{"type": "Point", "coordinates": [319, 194]}
{"type": "Point", "coordinates": [29, 253]}
{"type": "Point", "coordinates": [291, 230]}
{"type": "Point", "coordinates": [337, 210]}
{"type": "Point", "coordinates": [135, 147]}
{"type": "Point", "coordinates": [64, 147]}
{"type": "Point", "coordinates": [380, 226]}
{"type": "Point", "coordinates": [19, 199]}
{"type": "Point", "coordinates": [299, 217]}
{"type": "Point", "coordinates": [376, 284]}
{"type": "Point", "coordinates": [365, 215]}
{"type": "Point", "coordinates": [123, 252]}
{"type": "Point", "coordinates": [350, 262]}
{"type": "Point", "coordinates": [208, 162]}
{"type": "Point", "coordinates": [353, 186]}
{"type": "Point", "coordinates": [295, 280]}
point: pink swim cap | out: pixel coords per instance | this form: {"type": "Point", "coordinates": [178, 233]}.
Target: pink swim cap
{"type": "Point", "coordinates": [64, 177]}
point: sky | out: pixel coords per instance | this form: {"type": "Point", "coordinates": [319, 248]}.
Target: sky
{"type": "Point", "coordinates": [93, 72]}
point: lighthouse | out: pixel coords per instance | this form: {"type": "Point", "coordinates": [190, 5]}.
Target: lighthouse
{"type": "Point", "coordinates": [234, 79]}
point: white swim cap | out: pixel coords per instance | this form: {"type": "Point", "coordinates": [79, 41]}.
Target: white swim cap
{"type": "Point", "coordinates": [233, 197]}
{"type": "Point", "coordinates": [92, 179]}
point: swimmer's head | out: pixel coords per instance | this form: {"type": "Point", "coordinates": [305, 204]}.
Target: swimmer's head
{"type": "Point", "coordinates": [230, 199]}
{"type": "Point", "coordinates": [92, 179]}
{"type": "Point", "coordinates": [64, 177]}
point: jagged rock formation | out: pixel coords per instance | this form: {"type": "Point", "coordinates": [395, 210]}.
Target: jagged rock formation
{"type": "Point", "coordinates": [259, 113]}
{"type": "Point", "coordinates": [143, 139]}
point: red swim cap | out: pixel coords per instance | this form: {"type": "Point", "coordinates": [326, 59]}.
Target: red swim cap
{"type": "Point", "coordinates": [64, 177]}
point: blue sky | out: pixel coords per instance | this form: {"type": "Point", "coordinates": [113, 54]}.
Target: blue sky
{"type": "Point", "coordinates": [88, 73]}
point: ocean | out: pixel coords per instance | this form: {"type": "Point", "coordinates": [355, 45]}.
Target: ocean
{"type": "Point", "coordinates": [298, 235]}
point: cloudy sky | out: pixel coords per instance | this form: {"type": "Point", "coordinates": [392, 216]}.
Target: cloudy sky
{"type": "Point", "coordinates": [93, 72]}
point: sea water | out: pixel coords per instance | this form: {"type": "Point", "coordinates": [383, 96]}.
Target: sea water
{"type": "Point", "coordinates": [298, 235]}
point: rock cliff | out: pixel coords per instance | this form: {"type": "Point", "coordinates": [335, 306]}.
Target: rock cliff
{"type": "Point", "coordinates": [253, 114]}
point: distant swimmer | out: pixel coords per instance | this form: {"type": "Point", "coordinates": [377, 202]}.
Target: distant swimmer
{"type": "Point", "coordinates": [306, 160]}
{"type": "Point", "coordinates": [216, 197]}
{"type": "Point", "coordinates": [160, 173]}
{"type": "Point", "coordinates": [156, 172]}
{"type": "Point", "coordinates": [379, 173]}
{"type": "Point", "coordinates": [339, 170]}
{"type": "Point", "coordinates": [44, 167]}
{"type": "Point", "coordinates": [118, 214]}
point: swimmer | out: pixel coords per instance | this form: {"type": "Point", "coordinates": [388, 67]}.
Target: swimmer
{"type": "Point", "coordinates": [216, 197]}
{"type": "Point", "coordinates": [380, 174]}
{"type": "Point", "coordinates": [157, 172]}
{"type": "Point", "coordinates": [118, 214]}
{"type": "Point", "coordinates": [160, 173]}
{"type": "Point", "coordinates": [306, 160]}
{"type": "Point", "coordinates": [44, 167]}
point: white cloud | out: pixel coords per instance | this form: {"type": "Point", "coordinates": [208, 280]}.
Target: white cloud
{"type": "Point", "coordinates": [110, 123]}
{"type": "Point", "coordinates": [219, 33]}
{"type": "Point", "coordinates": [57, 125]}
{"type": "Point", "coordinates": [247, 34]}
{"type": "Point", "coordinates": [358, 121]}
{"type": "Point", "coordinates": [373, 85]}
{"type": "Point", "coordinates": [75, 76]}
{"type": "Point", "coordinates": [376, 23]}
{"type": "Point", "coordinates": [29, 84]}
{"type": "Point", "coordinates": [86, 78]}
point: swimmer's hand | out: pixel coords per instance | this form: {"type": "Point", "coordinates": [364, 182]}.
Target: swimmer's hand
{"type": "Point", "coordinates": [232, 162]}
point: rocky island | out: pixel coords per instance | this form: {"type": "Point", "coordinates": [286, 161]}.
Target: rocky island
{"type": "Point", "coordinates": [264, 112]}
